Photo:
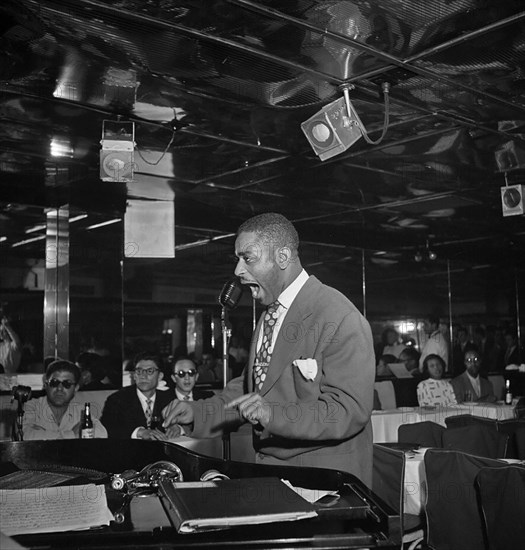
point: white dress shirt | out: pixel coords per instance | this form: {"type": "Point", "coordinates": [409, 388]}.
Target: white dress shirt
{"type": "Point", "coordinates": [144, 403]}
{"type": "Point", "coordinates": [285, 299]}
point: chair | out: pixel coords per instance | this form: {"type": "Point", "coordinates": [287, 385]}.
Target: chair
{"type": "Point", "coordinates": [502, 496]}
{"type": "Point", "coordinates": [468, 420]}
{"type": "Point", "coordinates": [516, 432]}
{"type": "Point", "coordinates": [388, 478]}
{"type": "Point", "coordinates": [453, 515]}
{"type": "Point", "coordinates": [478, 440]}
{"type": "Point", "coordinates": [425, 434]}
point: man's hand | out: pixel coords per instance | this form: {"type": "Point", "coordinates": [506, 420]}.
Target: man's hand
{"type": "Point", "coordinates": [175, 430]}
{"type": "Point", "coordinates": [253, 408]}
{"type": "Point", "coordinates": [144, 433]}
{"type": "Point", "coordinates": [177, 412]}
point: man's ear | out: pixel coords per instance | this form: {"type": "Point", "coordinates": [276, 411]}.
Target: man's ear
{"type": "Point", "coordinates": [161, 375]}
{"type": "Point", "coordinates": [283, 257]}
{"type": "Point", "coordinates": [174, 378]}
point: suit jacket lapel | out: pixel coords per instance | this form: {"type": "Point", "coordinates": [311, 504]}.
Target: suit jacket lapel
{"type": "Point", "coordinates": [290, 337]}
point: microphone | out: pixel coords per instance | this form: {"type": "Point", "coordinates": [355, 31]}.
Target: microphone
{"type": "Point", "coordinates": [231, 293]}
{"type": "Point", "coordinates": [21, 393]}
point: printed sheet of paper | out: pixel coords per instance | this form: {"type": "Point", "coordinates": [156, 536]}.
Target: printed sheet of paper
{"type": "Point", "coordinates": [53, 509]}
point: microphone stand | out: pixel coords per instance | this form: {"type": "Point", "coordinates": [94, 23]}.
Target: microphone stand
{"type": "Point", "coordinates": [21, 394]}
{"type": "Point", "coordinates": [226, 333]}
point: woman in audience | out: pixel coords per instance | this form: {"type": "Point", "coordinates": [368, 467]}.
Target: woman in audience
{"type": "Point", "coordinates": [435, 391]}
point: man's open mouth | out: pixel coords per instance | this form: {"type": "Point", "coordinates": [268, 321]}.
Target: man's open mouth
{"type": "Point", "coordinates": [254, 288]}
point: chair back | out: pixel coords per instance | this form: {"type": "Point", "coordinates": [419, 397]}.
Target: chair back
{"type": "Point", "coordinates": [453, 515]}
{"type": "Point", "coordinates": [468, 420]}
{"type": "Point", "coordinates": [388, 483]}
{"type": "Point", "coordinates": [476, 439]}
{"type": "Point", "coordinates": [515, 429]}
{"type": "Point", "coordinates": [425, 434]}
{"type": "Point", "coordinates": [502, 496]}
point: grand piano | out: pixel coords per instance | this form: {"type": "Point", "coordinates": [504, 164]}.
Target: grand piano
{"type": "Point", "coordinates": [359, 519]}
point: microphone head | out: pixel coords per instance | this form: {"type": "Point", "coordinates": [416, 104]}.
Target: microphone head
{"type": "Point", "coordinates": [231, 293]}
{"type": "Point", "coordinates": [21, 393]}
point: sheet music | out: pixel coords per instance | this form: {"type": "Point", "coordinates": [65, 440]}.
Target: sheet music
{"type": "Point", "coordinates": [53, 509]}
{"type": "Point", "coordinates": [399, 370]}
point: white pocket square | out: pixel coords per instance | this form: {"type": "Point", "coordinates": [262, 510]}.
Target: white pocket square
{"type": "Point", "coordinates": [308, 367]}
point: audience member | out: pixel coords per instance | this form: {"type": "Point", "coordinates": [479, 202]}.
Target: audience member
{"type": "Point", "coordinates": [135, 411]}
{"type": "Point", "coordinates": [93, 372]}
{"type": "Point", "coordinates": [185, 376]}
{"type": "Point", "coordinates": [410, 356]}
{"type": "Point", "coordinates": [437, 342]}
{"type": "Point", "coordinates": [392, 345]}
{"type": "Point", "coordinates": [382, 365]}
{"type": "Point", "coordinates": [434, 390]}
{"type": "Point", "coordinates": [511, 355]}
{"type": "Point", "coordinates": [461, 343]}
{"type": "Point", "coordinates": [10, 347]}
{"type": "Point", "coordinates": [57, 415]}
{"type": "Point", "coordinates": [470, 386]}
{"type": "Point", "coordinates": [207, 368]}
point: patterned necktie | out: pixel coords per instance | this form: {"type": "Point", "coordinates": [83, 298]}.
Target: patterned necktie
{"type": "Point", "coordinates": [262, 360]}
{"type": "Point", "coordinates": [149, 412]}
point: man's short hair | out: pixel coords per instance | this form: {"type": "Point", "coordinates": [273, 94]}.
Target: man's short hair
{"type": "Point", "coordinates": [65, 366]}
{"type": "Point", "coordinates": [145, 356]}
{"type": "Point", "coordinates": [183, 358]}
{"type": "Point", "coordinates": [272, 228]}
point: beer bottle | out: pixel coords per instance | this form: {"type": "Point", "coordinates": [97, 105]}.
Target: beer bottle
{"type": "Point", "coordinates": [86, 426]}
{"type": "Point", "coordinates": [508, 393]}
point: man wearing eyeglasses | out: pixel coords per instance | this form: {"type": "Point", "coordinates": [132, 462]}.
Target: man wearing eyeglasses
{"type": "Point", "coordinates": [57, 415]}
{"type": "Point", "coordinates": [470, 386]}
{"type": "Point", "coordinates": [185, 376]}
{"type": "Point", "coordinates": [135, 411]}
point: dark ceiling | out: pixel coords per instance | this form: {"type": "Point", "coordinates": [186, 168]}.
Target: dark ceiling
{"type": "Point", "coordinates": [217, 91]}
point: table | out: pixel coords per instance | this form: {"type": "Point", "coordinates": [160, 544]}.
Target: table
{"type": "Point", "coordinates": [415, 482]}
{"type": "Point", "coordinates": [386, 423]}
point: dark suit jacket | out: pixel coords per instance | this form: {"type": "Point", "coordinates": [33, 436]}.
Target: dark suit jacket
{"type": "Point", "coordinates": [462, 384]}
{"type": "Point", "coordinates": [199, 393]}
{"type": "Point", "coordinates": [324, 422]}
{"type": "Point", "coordinates": [123, 412]}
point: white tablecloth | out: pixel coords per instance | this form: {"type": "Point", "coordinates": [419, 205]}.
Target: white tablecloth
{"type": "Point", "coordinates": [415, 482]}
{"type": "Point", "coordinates": [386, 423]}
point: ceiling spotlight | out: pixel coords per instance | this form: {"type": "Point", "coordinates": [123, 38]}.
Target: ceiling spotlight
{"type": "Point", "coordinates": [418, 257]}
{"type": "Point", "coordinates": [512, 200]}
{"type": "Point", "coordinates": [432, 255]}
{"type": "Point", "coordinates": [337, 126]}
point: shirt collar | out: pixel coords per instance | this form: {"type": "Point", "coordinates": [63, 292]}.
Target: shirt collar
{"type": "Point", "coordinates": [143, 399]}
{"type": "Point", "coordinates": [288, 295]}
{"type": "Point", "coordinates": [181, 396]}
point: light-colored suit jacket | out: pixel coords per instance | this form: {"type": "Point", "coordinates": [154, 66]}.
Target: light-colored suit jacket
{"type": "Point", "coordinates": [321, 423]}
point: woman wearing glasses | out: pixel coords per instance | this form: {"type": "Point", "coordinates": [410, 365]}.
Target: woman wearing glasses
{"type": "Point", "coordinates": [57, 415]}
{"type": "Point", "coordinates": [135, 411]}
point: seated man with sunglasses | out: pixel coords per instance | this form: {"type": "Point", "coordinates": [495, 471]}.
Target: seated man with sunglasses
{"type": "Point", "coordinates": [185, 376]}
{"type": "Point", "coordinates": [135, 411]}
{"type": "Point", "coordinates": [57, 414]}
